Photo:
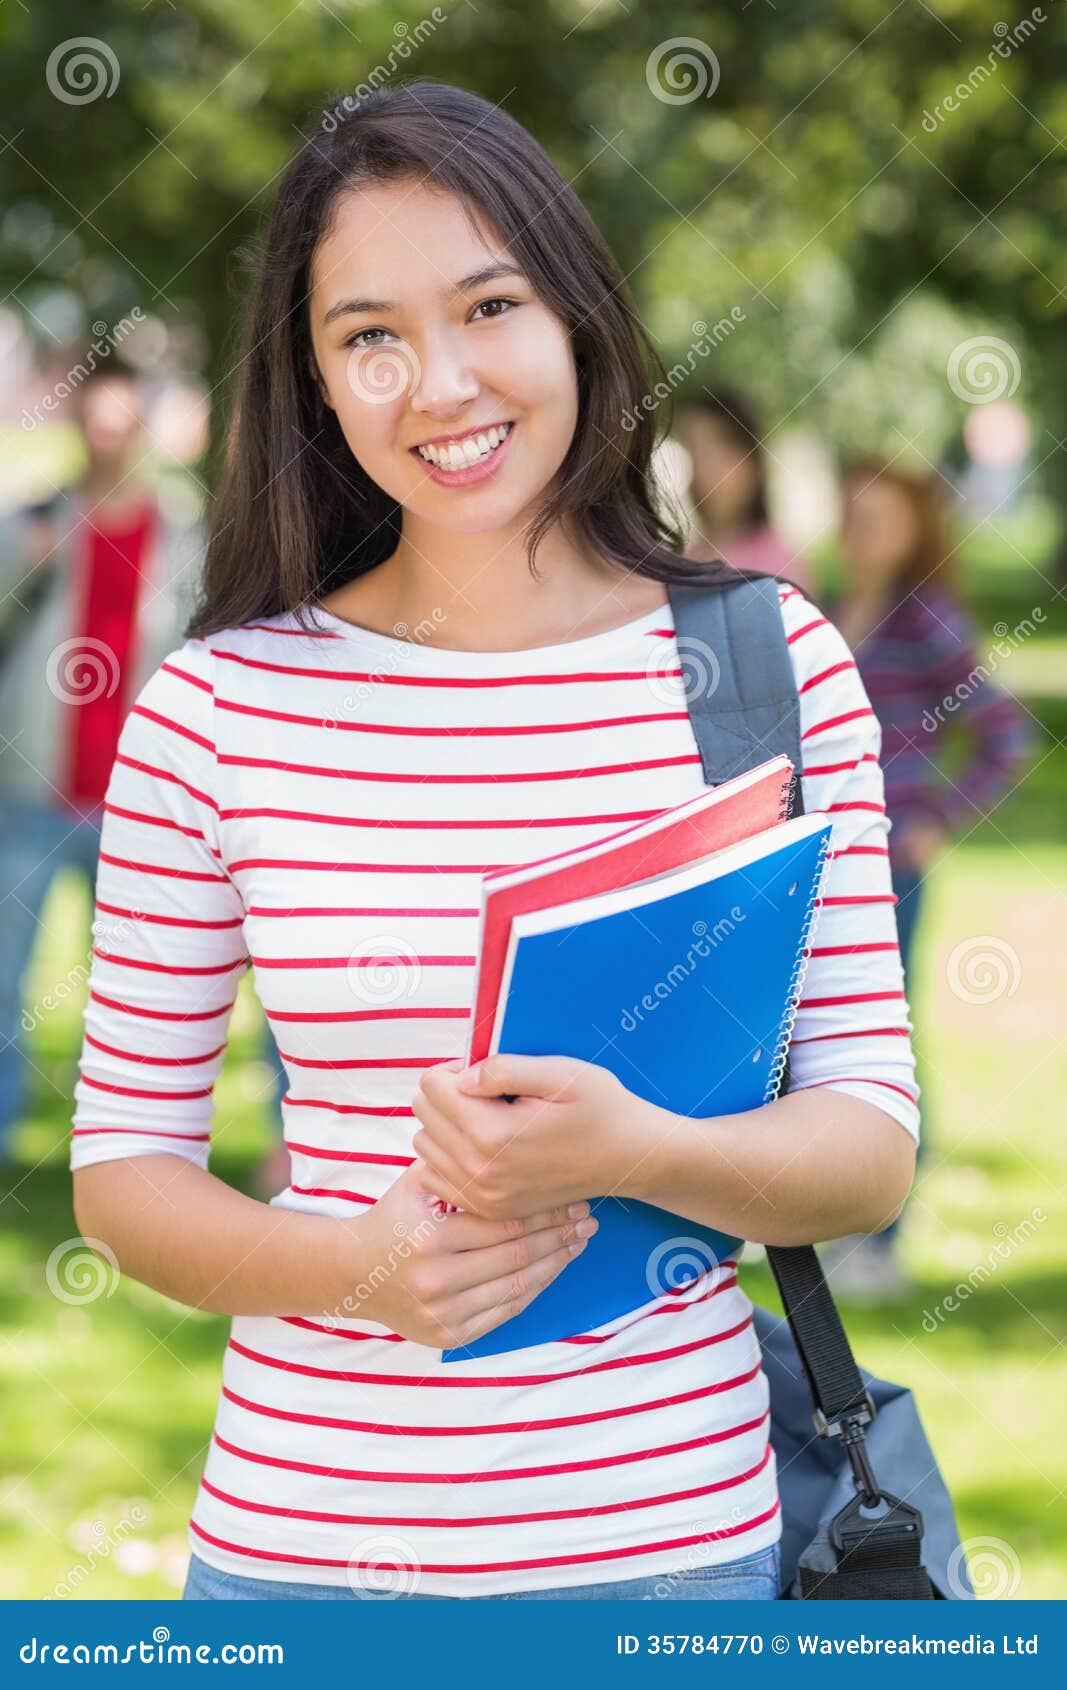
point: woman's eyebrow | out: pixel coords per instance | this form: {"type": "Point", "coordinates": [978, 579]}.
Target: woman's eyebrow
{"type": "Point", "coordinates": [488, 273]}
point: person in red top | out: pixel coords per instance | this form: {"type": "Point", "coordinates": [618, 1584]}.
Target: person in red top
{"type": "Point", "coordinates": [114, 546]}
{"type": "Point", "coordinates": [92, 583]}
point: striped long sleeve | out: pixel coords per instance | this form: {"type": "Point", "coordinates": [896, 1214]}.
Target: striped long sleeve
{"type": "Point", "coordinates": [168, 948]}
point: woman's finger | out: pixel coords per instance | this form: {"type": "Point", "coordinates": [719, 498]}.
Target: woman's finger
{"type": "Point", "coordinates": [486, 1306]}
{"type": "Point", "coordinates": [498, 1262]}
{"type": "Point", "coordinates": [475, 1232]}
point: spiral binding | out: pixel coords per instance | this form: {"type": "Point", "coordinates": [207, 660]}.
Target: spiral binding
{"type": "Point", "coordinates": [785, 800]}
{"type": "Point", "coordinates": [796, 981]}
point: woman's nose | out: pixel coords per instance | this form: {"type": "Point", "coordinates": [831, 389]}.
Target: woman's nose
{"type": "Point", "coordinates": [443, 379]}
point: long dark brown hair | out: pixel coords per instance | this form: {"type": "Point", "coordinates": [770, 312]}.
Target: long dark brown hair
{"type": "Point", "coordinates": [296, 515]}
{"type": "Point", "coordinates": [932, 559]}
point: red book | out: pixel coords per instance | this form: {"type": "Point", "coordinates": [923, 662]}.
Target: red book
{"type": "Point", "coordinates": [720, 816]}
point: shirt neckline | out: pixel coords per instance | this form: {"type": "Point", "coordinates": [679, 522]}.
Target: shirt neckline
{"type": "Point", "coordinates": [564, 651]}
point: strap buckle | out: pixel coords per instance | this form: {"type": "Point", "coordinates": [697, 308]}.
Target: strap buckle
{"type": "Point", "coordinates": [901, 1524]}
{"type": "Point", "coordinates": [849, 1428]}
{"type": "Point", "coordinates": [861, 1414]}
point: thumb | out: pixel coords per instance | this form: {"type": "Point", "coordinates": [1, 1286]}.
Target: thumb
{"type": "Point", "coordinates": [516, 1076]}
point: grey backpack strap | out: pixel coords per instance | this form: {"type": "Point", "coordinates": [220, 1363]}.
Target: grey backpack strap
{"type": "Point", "coordinates": [740, 688]}
{"type": "Point", "coordinates": [743, 704]}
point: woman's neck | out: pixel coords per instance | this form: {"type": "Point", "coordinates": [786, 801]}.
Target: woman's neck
{"type": "Point", "coordinates": [482, 596]}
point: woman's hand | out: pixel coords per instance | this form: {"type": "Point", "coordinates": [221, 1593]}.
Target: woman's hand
{"type": "Point", "coordinates": [443, 1279]}
{"type": "Point", "coordinates": [572, 1131]}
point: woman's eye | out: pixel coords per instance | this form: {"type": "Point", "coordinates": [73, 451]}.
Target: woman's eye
{"type": "Point", "coordinates": [356, 339]}
{"type": "Point", "coordinates": [508, 302]}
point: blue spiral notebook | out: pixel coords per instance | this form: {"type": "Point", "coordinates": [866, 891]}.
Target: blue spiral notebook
{"type": "Point", "coordinates": [685, 987]}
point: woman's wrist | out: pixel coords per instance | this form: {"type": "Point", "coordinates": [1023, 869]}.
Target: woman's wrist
{"type": "Point", "coordinates": [643, 1139]}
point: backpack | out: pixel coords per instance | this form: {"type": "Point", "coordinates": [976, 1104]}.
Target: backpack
{"type": "Point", "coordinates": [844, 1536]}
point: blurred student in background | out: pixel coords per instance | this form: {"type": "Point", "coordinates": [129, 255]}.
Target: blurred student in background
{"type": "Point", "coordinates": [916, 648]}
{"type": "Point", "coordinates": [95, 584]}
{"type": "Point", "coordinates": [728, 489]}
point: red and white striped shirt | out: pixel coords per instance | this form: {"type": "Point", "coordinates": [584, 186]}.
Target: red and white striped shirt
{"type": "Point", "coordinates": [323, 807]}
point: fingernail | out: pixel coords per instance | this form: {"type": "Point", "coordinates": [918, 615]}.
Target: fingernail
{"type": "Point", "coordinates": [577, 1210]}
{"type": "Point", "coordinates": [586, 1228]}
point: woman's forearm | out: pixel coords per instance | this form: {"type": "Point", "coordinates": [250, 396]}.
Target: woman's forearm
{"type": "Point", "coordinates": [815, 1164]}
{"type": "Point", "coordinates": [172, 1225]}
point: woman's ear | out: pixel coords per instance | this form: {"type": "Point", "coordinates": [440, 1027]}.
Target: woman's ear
{"type": "Point", "coordinates": [319, 383]}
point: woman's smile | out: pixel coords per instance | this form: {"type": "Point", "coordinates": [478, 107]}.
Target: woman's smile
{"type": "Point", "coordinates": [467, 459]}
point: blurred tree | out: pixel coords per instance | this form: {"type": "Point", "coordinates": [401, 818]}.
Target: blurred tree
{"type": "Point", "coordinates": [869, 187]}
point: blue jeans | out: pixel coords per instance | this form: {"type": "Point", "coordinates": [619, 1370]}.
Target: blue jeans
{"type": "Point", "coordinates": [753, 1578]}
{"type": "Point", "coordinates": [908, 886]}
{"type": "Point", "coordinates": [37, 840]}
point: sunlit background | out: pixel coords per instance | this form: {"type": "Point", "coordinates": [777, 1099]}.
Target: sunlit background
{"type": "Point", "coordinates": [859, 210]}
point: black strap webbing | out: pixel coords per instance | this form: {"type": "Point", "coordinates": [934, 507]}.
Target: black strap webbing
{"type": "Point", "coordinates": [743, 705]}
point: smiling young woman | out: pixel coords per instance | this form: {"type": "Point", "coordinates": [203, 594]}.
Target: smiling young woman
{"type": "Point", "coordinates": [432, 639]}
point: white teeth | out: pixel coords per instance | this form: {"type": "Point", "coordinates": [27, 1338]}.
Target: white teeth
{"type": "Point", "coordinates": [460, 455]}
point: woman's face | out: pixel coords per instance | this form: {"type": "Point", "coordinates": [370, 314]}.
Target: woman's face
{"type": "Point", "coordinates": [412, 348]}
{"type": "Point", "coordinates": [726, 470]}
{"type": "Point", "coordinates": [879, 531]}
